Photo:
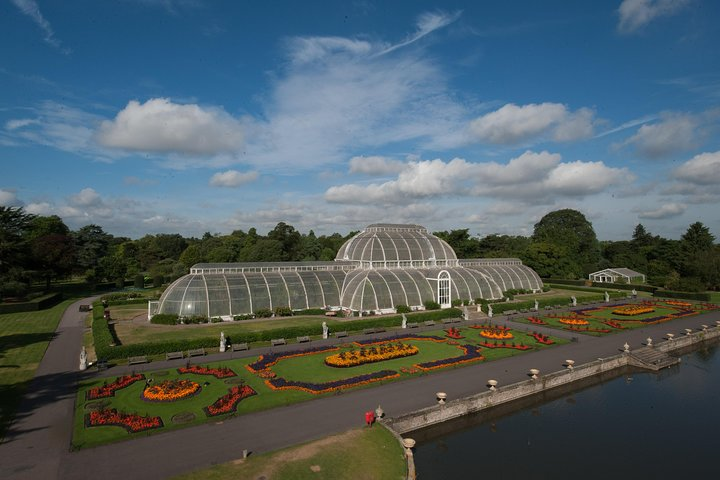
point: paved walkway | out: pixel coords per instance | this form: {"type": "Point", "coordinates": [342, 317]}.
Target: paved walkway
{"type": "Point", "coordinates": [39, 440]}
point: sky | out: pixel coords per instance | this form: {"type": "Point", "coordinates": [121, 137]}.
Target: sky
{"type": "Point", "coordinates": [186, 116]}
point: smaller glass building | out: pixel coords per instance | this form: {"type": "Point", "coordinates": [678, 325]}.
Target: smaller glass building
{"type": "Point", "coordinates": [383, 266]}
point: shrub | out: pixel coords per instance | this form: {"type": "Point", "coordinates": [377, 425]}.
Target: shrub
{"type": "Point", "coordinates": [216, 320]}
{"type": "Point", "coordinates": [310, 311]}
{"type": "Point", "coordinates": [164, 319]}
{"type": "Point", "coordinates": [263, 313]}
{"type": "Point", "coordinates": [431, 305]}
{"type": "Point", "coordinates": [157, 281]}
{"type": "Point", "coordinates": [457, 302]}
{"type": "Point", "coordinates": [402, 309]}
{"type": "Point", "coordinates": [283, 312]}
{"type": "Point", "coordinates": [139, 281]}
{"type": "Point", "coordinates": [249, 316]}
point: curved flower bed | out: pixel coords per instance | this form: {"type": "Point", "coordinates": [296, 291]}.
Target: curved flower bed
{"type": "Point", "coordinates": [380, 353]}
{"type": "Point", "coordinates": [632, 310]}
{"type": "Point", "coordinates": [472, 354]}
{"type": "Point", "coordinates": [453, 333]}
{"type": "Point", "coordinates": [496, 333]}
{"type": "Point", "coordinates": [536, 321]}
{"type": "Point", "coordinates": [504, 345]}
{"type": "Point", "coordinates": [109, 390]}
{"type": "Point", "coordinates": [678, 303]}
{"type": "Point", "coordinates": [573, 321]}
{"type": "Point", "coordinates": [265, 361]}
{"type": "Point", "coordinates": [540, 338]}
{"type": "Point", "coordinates": [131, 422]}
{"type": "Point", "coordinates": [228, 402]}
{"type": "Point", "coordinates": [280, 383]}
{"type": "Point", "coordinates": [222, 372]}
{"type": "Point", "coordinates": [170, 390]}
{"type": "Point", "coordinates": [400, 338]}
{"type": "Point", "coordinates": [614, 324]}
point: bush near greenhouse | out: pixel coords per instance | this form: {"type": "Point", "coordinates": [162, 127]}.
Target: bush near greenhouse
{"type": "Point", "coordinates": [263, 313]}
{"type": "Point", "coordinates": [431, 305]}
{"type": "Point", "coordinates": [283, 312]}
{"type": "Point", "coordinates": [164, 319]}
{"type": "Point", "coordinates": [402, 309]}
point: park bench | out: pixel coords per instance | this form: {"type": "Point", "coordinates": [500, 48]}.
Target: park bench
{"type": "Point", "coordinates": [511, 312]}
{"type": "Point", "coordinates": [380, 330]}
{"type": "Point", "coordinates": [368, 331]}
{"type": "Point", "coordinates": [303, 339]}
{"type": "Point", "coordinates": [445, 321]}
{"type": "Point", "coordinates": [429, 323]}
{"type": "Point", "coordinates": [277, 341]}
{"type": "Point", "coordinates": [102, 364]}
{"type": "Point", "coordinates": [174, 355]}
{"type": "Point", "coordinates": [137, 359]}
{"type": "Point", "coordinates": [198, 352]}
{"type": "Point", "coordinates": [85, 308]}
{"type": "Point", "coordinates": [236, 347]}
{"type": "Point", "coordinates": [341, 334]}
{"type": "Point", "coordinates": [412, 325]}
{"type": "Point", "coordinates": [523, 310]}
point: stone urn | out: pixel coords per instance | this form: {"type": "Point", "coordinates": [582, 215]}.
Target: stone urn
{"type": "Point", "coordinates": [648, 342]}
{"type": "Point", "coordinates": [441, 397]}
{"type": "Point", "coordinates": [626, 348]}
{"type": "Point", "coordinates": [534, 372]}
{"type": "Point", "coordinates": [688, 331]}
{"type": "Point", "coordinates": [570, 364]}
{"type": "Point", "coordinates": [408, 442]}
{"type": "Point", "coordinates": [670, 336]}
{"type": "Point", "coordinates": [492, 384]}
{"type": "Point", "coordinates": [704, 327]}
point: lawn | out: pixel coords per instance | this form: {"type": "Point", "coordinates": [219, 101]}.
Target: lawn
{"type": "Point", "coordinates": [24, 337]}
{"type": "Point", "coordinates": [603, 320]}
{"type": "Point", "coordinates": [306, 371]}
{"type": "Point", "coordinates": [367, 453]}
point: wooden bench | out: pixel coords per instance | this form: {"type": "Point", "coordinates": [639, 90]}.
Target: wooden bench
{"type": "Point", "coordinates": [84, 308]}
{"type": "Point", "coordinates": [102, 364]}
{"type": "Point", "coordinates": [277, 341]}
{"type": "Point", "coordinates": [303, 339]}
{"type": "Point", "coordinates": [412, 325]}
{"type": "Point", "coordinates": [511, 312]}
{"type": "Point", "coordinates": [174, 355]}
{"type": "Point", "coordinates": [198, 352]}
{"type": "Point", "coordinates": [236, 347]}
{"type": "Point", "coordinates": [445, 321]}
{"type": "Point", "coordinates": [429, 323]}
{"type": "Point", "coordinates": [380, 330]}
{"type": "Point", "coordinates": [341, 334]}
{"type": "Point", "coordinates": [137, 359]}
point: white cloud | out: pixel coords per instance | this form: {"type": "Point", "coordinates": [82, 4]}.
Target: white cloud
{"type": "Point", "coordinates": [8, 198]}
{"type": "Point", "coordinates": [529, 177]}
{"type": "Point", "coordinates": [675, 133]}
{"type": "Point", "coordinates": [702, 169]}
{"type": "Point", "coordinates": [19, 123]}
{"type": "Point", "coordinates": [427, 23]}
{"type": "Point", "coordinates": [512, 124]}
{"type": "Point", "coordinates": [32, 10]}
{"type": "Point", "coordinates": [87, 197]}
{"type": "Point", "coordinates": [233, 178]}
{"type": "Point", "coordinates": [635, 14]}
{"type": "Point", "coordinates": [375, 165]}
{"type": "Point", "coordinates": [667, 210]}
{"type": "Point", "coordinates": [161, 126]}
{"type": "Point", "coordinates": [40, 208]}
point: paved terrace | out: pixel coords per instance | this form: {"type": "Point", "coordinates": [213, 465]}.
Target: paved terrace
{"type": "Point", "coordinates": [37, 445]}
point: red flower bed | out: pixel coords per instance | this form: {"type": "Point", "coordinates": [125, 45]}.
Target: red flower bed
{"type": "Point", "coordinates": [129, 421]}
{"type": "Point", "coordinates": [504, 345]}
{"type": "Point", "coordinates": [453, 333]}
{"type": "Point", "coordinates": [540, 338]}
{"type": "Point", "coordinates": [228, 402]}
{"type": "Point", "coordinates": [536, 321]}
{"type": "Point", "coordinates": [109, 390]}
{"type": "Point", "coordinates": [280, 383]}
{"type": "Point", "coordinates": [222, 372]}
{"type": "Point", "coordinates": [614, 324]}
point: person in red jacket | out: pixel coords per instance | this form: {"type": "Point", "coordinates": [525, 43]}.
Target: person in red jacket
{"type": "Point", "coordinates": [369, 418]}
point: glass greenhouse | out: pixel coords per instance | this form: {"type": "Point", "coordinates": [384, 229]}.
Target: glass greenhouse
{"type": "Point", "coordinates": [383, 266]}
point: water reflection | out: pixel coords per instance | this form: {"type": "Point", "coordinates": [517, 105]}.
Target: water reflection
{"type": "Point", "coordinates": [646, 425]}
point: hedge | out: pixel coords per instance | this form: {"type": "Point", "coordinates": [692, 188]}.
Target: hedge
{"type": "Point", "coordinates": [40, 303]}
{"type": "Point", "coordinates": [104, 337]}
{"type": "Point", "coordinates": [704, 297]}
{"type": "Point", "coordinates": [564, 281]}
{"type": "Point", "coordinates": [546, 302]}
{"type": "Point", "coordinates": [626, 286]}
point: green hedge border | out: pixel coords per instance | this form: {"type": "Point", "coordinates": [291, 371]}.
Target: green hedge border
{"type": "Point", "coordinates": [549, 302]}
{"type": "Point", "coordinates": [40, 303]}
{"type": "Point", "coordinates": [704, 297]}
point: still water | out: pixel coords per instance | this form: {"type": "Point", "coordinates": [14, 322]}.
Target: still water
{"type": "Point", "coordinates": [644, 425]}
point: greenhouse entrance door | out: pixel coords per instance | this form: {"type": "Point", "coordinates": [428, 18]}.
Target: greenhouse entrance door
{"type": "Point", "coordinates": [444, 289]}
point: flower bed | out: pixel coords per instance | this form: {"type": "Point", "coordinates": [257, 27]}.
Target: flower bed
{"type": "Point", "coordinates": [386, 351]}
{"type": "Point", "coordinates": [572, 321]}
{"type": "Point", "coordinates": [131, 422]}
{"type": "Point", "coordinates": [472, 354]}
{"type": "Point", "coordinates": [399, 338]}
{"type": "Point", "coordinates": [170, 390]}
{"type": "Point", "coordinates": [228, 402]}
{"type": "Point", "coordinates": [536, 321]}
{"type": "Point", "coordinates": [280, 383]}
{"type": "Point", "coordinates": [614, 324]}
{"type": "Point", "coordinates": [265, 361]}
{"type": "Point", "coordinates": [110, 389]}
{"type": "Point", "coordinates": [453, 333]}
{"type": "Point", "coordinates": [222, 372]}
{"type": "Point", "coordinates": [540, 338]}
{"type": "Point", "coordinates": [496, 333]}
{"type": "Point", "coordinates": [632, 310]}
{"type": "Point", "coordinates": [678, 303]}
{"type": "Point", "coordinates": [504, 345]}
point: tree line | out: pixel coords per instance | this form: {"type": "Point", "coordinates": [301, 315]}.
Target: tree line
{"type": "Point", "coordinates": [37, 250]}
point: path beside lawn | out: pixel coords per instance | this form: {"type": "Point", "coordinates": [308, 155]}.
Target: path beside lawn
{"type": "Point", "coordinates": [39, 445]}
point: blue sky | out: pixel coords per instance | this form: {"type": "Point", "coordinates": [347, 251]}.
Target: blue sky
{"type": "Point", "coordinates": [152, 116]}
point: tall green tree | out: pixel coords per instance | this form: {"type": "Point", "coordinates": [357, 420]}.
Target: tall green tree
{"type": "Point", "coordinates": [570, 230]}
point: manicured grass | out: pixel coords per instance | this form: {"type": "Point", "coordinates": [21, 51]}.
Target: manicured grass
{"type": "Point", "coordinates": [367, 453]}
{"type": "Point", "coordinates": [308, 367]}
{"type": "Point", "coordinates": [24, 337]}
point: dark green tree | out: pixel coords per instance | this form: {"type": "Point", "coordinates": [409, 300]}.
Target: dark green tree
{"type": "Point", "coordinates": [570, 230]}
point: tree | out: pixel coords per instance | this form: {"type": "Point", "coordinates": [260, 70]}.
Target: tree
{"type": "Point", "coordinates": [289, 239]}
{"type": "Point", "coordinates": [570, 230]}
{"type": "Point", "coordinates": [14, 245]}
{"type": "Point", "coordinates": [699, 264]}
{"type": "Point", "coordinates": [460, 240]}
{"type": "Point", "coordinates": [549, 260]}
{"type": "Point", "coordinates": [92, 246]}
{"type": "Point", "coordinates": [641, 237]}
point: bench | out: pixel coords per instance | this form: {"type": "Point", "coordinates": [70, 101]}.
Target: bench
{"type": "Point", "coordinates": [429, 323]}
{"type": "Point", "coordinates": [511, 312]}
{"type": "Point", "coordinates": [445, 321]}
{"type": "Point", "coordinates": [277, 341]}
{"type": "Point", "coordinates": [412, 325]}
{"type": "Point", "coordinates": [84, 308]}
{"type": "Point", "coordinates": [379, 330]}
{"type": "Point", "coordinates": [102, 364]}
{"type": "Point", "coordinates": [138, 359]}
{"type": "Point", "coordinates": [304, 339]}
{"type": "Point", "coordinates": [341, 334]}
{"type": "Point", "coordinates": [174, 355]}
{"type": "Point", "coordinates": [198, 352]}
{"type": "Point", "coordinates": [523, 310]}
{"type": "Point", "coordinates": [368, 331]}
{"type": "Point", "coordinates": [236, 347]}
